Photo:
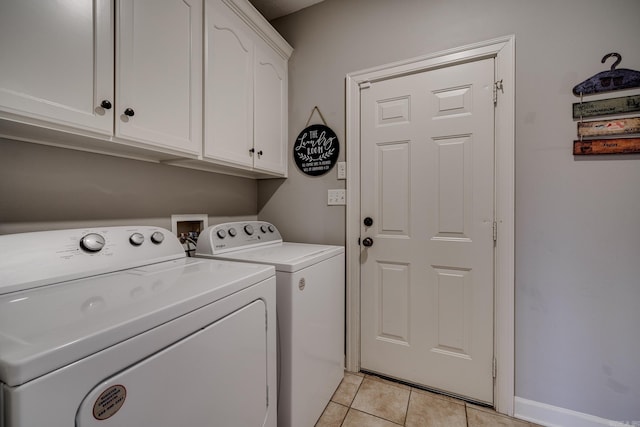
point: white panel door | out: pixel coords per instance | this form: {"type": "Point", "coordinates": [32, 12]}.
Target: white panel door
{"type": "Point", "coordinates": [159, 73]}
{"type": "Point", "coordinates": [428, 185]}
{"type": "Point", "coordinates": [56, 61]}
{"type": "Point", "coordinates": [270, 110]}
{"type": "Point", "coordinates": [228, 86]}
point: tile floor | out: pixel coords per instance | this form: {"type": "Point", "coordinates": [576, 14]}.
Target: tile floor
{"type": "Point", "coordinates": [364, 400]}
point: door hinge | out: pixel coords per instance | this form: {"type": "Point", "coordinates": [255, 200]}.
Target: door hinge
{"type": "Point", "coordinates": [365, 84]}
{"type": "Point", "coordinates": [495, 231]}
{"type": "Point", "coordinates": [497, 86]}
{"type": "Point", "coordinates": [494, 368]}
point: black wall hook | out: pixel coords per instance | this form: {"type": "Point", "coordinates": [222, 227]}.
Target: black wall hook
{"type": "Point", "coordinates": [609, 55]}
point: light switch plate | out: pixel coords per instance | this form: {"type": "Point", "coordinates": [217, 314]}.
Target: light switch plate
{"type": "Point", "coordinates": [342, 170]}
{"type": "Point", "coordinates": [337, 197]}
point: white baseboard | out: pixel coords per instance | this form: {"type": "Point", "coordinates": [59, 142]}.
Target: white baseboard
{"type": "Point", "coordinates": [554, 416]}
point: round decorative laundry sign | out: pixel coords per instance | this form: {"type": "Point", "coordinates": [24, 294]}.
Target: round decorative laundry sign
{"type": "Point", "coordinates": [316, 150]}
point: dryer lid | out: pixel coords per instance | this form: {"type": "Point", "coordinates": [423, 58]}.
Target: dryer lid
{"type": "Point", "coordinates": [49, 327]}
{"type": "Point", "coordinates": [287, 256]}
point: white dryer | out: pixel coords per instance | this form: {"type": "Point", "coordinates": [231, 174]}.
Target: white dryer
{"type": "Point", "coordinates": [116, 327]}
{"type": "Point", "coordinates": [310, 311]}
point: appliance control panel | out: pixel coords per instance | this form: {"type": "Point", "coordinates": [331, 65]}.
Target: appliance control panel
{"type": "Point", "coordinates": [46, 257]}
{"type": "Point", "coordinates": [220, 238]}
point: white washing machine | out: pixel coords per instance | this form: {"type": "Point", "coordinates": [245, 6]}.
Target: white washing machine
{"type": "Point", "coordinates": [310, 311]}
{"type": "Point", "coordinates": [116, 327]}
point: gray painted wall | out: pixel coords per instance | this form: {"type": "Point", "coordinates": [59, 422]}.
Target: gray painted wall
{"type": "Point", "coordinates": [577, 229]}
{"type": "Point", "coordinates": [43, 187]}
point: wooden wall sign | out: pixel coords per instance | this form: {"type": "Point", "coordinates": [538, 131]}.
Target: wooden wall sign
{"type": "Point", "coordinates": [316, 150]}
{"type": "Point", "coordinates": [607, 146]}
{"type": "Point", "coordinates": [604, 107]}
{"type": "Point", "coordinates": [609, 127]}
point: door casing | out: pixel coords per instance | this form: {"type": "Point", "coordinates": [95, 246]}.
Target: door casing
{"type": "Point", "coordinates": [503, 50]}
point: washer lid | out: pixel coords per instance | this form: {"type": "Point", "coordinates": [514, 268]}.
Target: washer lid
{"type": "Point", "coordinates": [286, 257]}
{"type": "Point", "coordinates": [50, 327]}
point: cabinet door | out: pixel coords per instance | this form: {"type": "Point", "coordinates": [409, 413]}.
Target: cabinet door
{"type": "Point", "coordinates": [270, 122]}
{"type": "Point", "coordinates": [56, 61]}
{"type": "Point", "coordinates": [228, 129]}
{"type": "Point", "coordinates": [159, 73]}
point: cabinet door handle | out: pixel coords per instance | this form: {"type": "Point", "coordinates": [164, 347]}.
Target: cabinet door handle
{"type": "Point", "coordinates": [129, 112]}
{"type": "Point", "coordinates": [252, 150]}
{"type": "Point", "coordinates": [259, 153]}
{"type": "Point", "coordinates": [105, 104]}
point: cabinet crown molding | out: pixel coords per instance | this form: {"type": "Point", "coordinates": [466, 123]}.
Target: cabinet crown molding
{"type": "Point", "coordinates": [250, 15]}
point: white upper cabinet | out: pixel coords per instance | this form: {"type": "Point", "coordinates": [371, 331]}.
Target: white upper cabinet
{"type": "Point", "coordinates": [57, 72]}
{"type": "Point", "coordinates": [159, 73]}
{"type": "Point", "coordinates": [245, 108]}
{"type": "Point", "coordinates": [270, 115]}
{"type": "Point", "coordinates": [228, 104]}
{"type": "Point", "coordinates": [195, 83]}
{"type": "Point", "coordinates": [56, 62]}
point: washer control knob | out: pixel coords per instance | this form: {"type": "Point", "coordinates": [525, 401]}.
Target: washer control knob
{"type": "Point", "coordinates": [136, 239]}
{"type": "Point", "coordinates": [232, 232]}
{"type": "Point", "coordinates": [248, 229]}
{"type": "Point", "coordinates": [157, 237]}
{"type": "Point", "coordinates": [271, 228]}
{"type": "Point", "coordinates": [221, 234]}
{"type": "Point", "coordinates": [92, 242]}
{"type": "Point", "coordinates": [263, 228]}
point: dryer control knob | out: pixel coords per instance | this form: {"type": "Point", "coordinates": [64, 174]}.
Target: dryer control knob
{"type": "Point", "coordinates": [263, 228]}
{"type": "Point", "coordinates": [157, 237]}
{"type": "Point", "coordinates": [232, 232]}
{"type": "Point", "coordinates": [248, 229]}
{"type": "Point", "coordinates": [271, 228]}
{"type": "Point", "coordinates": [221, 234]}
{"type": "Point", "coordinates": [92, 242]}
{"type": "Point", "coordinates": [136, 239]}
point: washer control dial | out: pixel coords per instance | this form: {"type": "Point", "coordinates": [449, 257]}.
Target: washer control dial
{"type": "Point", "coordinates": [263, 228]}
{"type": "Point", "coordinates": [157, 237]}
{"type": "Point", "coordinates": [92, 242]}
{"type": "Point", "coordinates": [248, 229]}
{"type": "Point", "coordinates": [221, 234]}
{"type": "Point", "coordinates": [232, 232]}
{"type": "Point", "coordinates": [136, 239]}
{"type": "Point", "coordinates": [271, 228]}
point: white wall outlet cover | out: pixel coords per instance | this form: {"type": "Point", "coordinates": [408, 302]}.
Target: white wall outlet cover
{"type": "Point", "coordinates": [336, 197]}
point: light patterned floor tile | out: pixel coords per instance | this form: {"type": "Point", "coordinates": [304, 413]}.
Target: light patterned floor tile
{"type": "Point", "coordinates": [333, 415]}
{"type": "Point", "coordinates": [438, 396]}
{"type": "Point", "coordinates": [382, 400]}
{"type": "Point", "coordinates": [482, 417]}
{"type": "Point", "coordinates": [426, 410]}
{"type": "Point", "coordinates": [390, 382]}
{"type": "Point", "coordinates": [364, 400]}
{"type": "Point", "coordinates": [356, 418]}
{"type": "Point", "coordinates": [347, 389]}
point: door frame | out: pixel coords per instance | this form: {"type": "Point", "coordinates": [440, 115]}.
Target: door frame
{"type": "Point", "coordinates": [503, 50]}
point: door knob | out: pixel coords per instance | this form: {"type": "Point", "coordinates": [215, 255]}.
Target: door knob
{"type": "Point", "coordinates": [368, 242]}
{"type": "Point", "coordinates": [368, 221]}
